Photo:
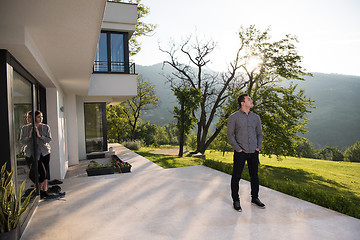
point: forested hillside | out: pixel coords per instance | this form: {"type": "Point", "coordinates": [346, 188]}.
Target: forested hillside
{"type": "Point", "coordinates": [336, 119]}
{"type": "Point", "coordinates": [334, 122]}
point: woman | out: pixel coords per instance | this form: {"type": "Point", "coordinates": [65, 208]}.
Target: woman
{"type": "Point", "coordinates": [42, 151]}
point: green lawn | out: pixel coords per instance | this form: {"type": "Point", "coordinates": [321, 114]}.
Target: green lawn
{"type": "Point", "coordinates": [345, 175]}
{"type": "Point", "coordinates": [168, 161]}
{"type": "Point", "coordinates": [335, 185]}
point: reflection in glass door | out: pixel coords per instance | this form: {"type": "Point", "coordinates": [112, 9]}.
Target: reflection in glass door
{"type": "Point", "coordinates": [95, 120]}
{"type": "Point", "coordinates": [22, 99]}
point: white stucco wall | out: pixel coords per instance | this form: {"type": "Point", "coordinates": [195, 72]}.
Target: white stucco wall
{"type": "Point", "coordinates": [70, 110]}
{"type": "Point", "coordinates": [56, 121]}
{"type": "Point", "coordinates": [120, 17]}
{"type": "Point", "coordinates": [113, 85]}
{"type": "Point", "coordinates": [81, 127]}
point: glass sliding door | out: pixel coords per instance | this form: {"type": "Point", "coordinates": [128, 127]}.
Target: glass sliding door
{"type": "Point", "coordinates": [22, 104]}
{"type": "Point", "coordinates": [95, 120]}
{"type": "Point", "coordinates": [19, 95]}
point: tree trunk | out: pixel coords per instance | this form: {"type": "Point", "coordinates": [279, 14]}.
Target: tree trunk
{"type": "Point", "coordinates": [182, 130]}
{"type": "Point", "coordinates": [181, 144]}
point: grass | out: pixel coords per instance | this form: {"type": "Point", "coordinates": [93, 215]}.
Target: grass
{"type": "Point", "coordinates": [334, 185]}
{"type": "Point", "coordinates": [344, 175]}
{"type": "Point", "coordinates": [169, 161]}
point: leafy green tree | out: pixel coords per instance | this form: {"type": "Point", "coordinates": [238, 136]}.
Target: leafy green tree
{"type": "Point", "coordinates": [117, 126]}
{"type": "Point", "coordinates": [259, 67]}
{"type": "Point", "coordinates": [144, 100]}
{"type": "Point", "coordinates": [191, 140]}
{"type": "Point", "coordinates": [161, 136]}
{"type": "Point", "coordinates": [142, 28]}
{"type": "Point", "coordinates": [331, 153]}
{"type": "Point", "coordinates": [352, 153]}
{"type": "Point", "coordinates": [221, 143]}
{"type": "Point", "coordinates": [283, 115]}
{"type": "Point", "coordinates": [304, 148]}
{"type": "Point", "coordinates": [172, 132]}
{"type": "Point", "coordinates": [151, 134]}
{"type": "Point", "coordinates": [282, 108]}
{"type": "Point", "coordinates": [189, 99]}
{"type": "Point", "coordinates": [147, 133]}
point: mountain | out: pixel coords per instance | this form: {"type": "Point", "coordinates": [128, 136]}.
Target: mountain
{"type": "Point", "coordinates": [162, 114]}
{"type": "Point", "coordinates": [336, 119]}
{"type": "Point", "coordinates": [334, 122]}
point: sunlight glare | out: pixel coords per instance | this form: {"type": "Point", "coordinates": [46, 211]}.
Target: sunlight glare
{"type": "Point", "coordinates": [253, 64]}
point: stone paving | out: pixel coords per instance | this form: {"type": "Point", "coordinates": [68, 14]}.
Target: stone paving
{"type": "Point", "coordinates": [182, 203]}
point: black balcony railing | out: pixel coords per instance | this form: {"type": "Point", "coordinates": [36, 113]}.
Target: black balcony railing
{"type": "Point", "coordinates": [114, 67]}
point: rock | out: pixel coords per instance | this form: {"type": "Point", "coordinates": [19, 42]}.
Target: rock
{"type": "Point", "coordinates": [199, 155]}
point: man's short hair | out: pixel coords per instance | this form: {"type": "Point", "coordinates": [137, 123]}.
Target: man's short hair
{"type": "Point", "coordinates": [241, 98]}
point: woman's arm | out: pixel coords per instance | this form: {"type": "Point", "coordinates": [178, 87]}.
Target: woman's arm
{"type": "Point", "coordinates": [45, 134]}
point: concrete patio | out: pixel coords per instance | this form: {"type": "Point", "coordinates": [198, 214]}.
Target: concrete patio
{"type": "Point", "coordinates": [183, 203]}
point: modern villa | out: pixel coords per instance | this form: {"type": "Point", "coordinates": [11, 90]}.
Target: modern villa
{"type": "Point", "coordinates": [68, 59]}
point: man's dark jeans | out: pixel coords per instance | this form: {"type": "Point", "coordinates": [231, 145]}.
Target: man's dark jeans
{"type": "Point", "coordinates": [239, 163]}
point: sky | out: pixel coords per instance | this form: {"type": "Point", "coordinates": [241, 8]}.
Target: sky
{"type": "Point", "coordinates": [328, 30]}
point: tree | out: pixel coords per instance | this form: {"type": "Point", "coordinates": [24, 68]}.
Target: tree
{"type": "Point", "coordinates": [331, 153]}
{"type": "Point", "coordinates": [281, 107]}
{"type": "Point", "coordinates": [282, 111]}
{"type": "Point", "coordinates": [189, 99]}
{"type": "Point", "coordinates": [117, 125]}
{"type": "Point", "coordinates": [147, 133]}
{"type": "Point", "coordinates": [258, 69]}
{"type": "Point", "coordinates": [352, 153]}
{"type": "Point", "coordinates": [172, 132]}
{"type": "Point", "coordinates": [142, 29]}
{"type": "Point", "coordinates": [304, 148]}
{"type": "Point", "coordinates": [221, 142]}
{"type": "Point", "coordinates": [212, 86]}
{"type": "Point", "coordinates": [133, 107]}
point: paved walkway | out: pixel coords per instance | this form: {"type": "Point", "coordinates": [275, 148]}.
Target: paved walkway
{"type": "Point", "coordinates": [183, 203]}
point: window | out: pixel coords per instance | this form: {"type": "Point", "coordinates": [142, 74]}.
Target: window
{"type": "Point", "coordinates": [95, 127]}
{"type": "Point", "coordinates": [112, 54]}
{"type": "Point", "coordinates": [20, 93]}
{"type": "Point", "coordinates": [101, 62]}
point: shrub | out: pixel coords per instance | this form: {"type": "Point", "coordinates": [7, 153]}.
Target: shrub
{"type": "Point", "coordinates": [304, 148]}
{"type": "Point", "coordinates": [191, 140]}
{"type": "Point", "coordinates": [132, 145]}
{"type": "Point", "coordinates": [223, 167]}
{"type": "Point", "coordinates": [331, 153]}
{"type": "Point", "coordinates": [352, 153]}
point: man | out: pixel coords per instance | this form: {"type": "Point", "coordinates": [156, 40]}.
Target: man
{"type": "Point", "coordinates": [245, 136]}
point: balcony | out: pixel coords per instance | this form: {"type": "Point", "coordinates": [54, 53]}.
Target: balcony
{"type": "Point", "coordinates": [114, 67]}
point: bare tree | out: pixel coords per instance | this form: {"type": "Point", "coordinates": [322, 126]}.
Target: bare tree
{"type": "Point", "coordinates": [212, 85]}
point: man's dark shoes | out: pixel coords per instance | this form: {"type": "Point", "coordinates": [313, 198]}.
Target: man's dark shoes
{"type": "Point", "coordinates": [257, 202]}
{"type": "Point", "coordinates": [237, 206]}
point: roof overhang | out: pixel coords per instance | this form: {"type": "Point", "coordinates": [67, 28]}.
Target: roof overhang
{"type": "Point", "coordinates": [54, 40]}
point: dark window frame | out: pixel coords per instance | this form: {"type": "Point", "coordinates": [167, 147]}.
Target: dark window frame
{"type": "Point", "coordinates": [129, 68]}
{"type": "Point", "coordinates": [5, 132]}
{"type": "Point", "coordinates": [7, 58]}
{"type": "Point", "coordinates": [104, 125]}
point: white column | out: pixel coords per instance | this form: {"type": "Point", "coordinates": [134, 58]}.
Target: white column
{"type": "Point", "coordinates": [81, 127]}
{"type": "Point", "coordinates": [55, 119]}
{"type": "Point", "coordinates": [70, 109]}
